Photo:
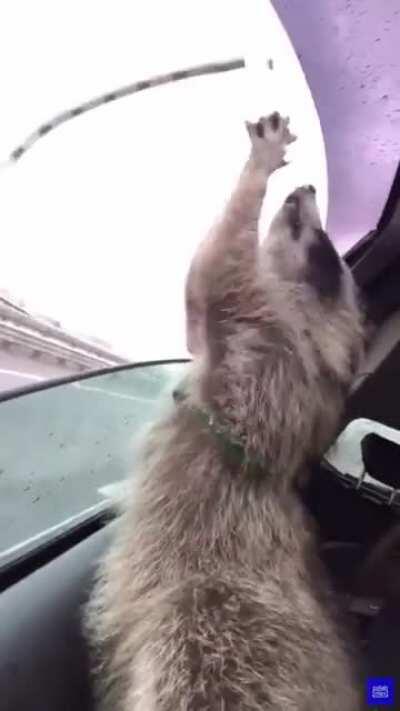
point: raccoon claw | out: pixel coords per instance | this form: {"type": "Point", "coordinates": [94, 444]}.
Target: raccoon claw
{"type": "Point", "coordinates": [269, 137]}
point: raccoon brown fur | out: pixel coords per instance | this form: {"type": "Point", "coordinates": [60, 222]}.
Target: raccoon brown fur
{"type": "Point", "coordinates": [211, 597]}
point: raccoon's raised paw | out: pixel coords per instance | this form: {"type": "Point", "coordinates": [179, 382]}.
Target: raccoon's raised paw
{"type": "Point", "coordinates": [269, 138]}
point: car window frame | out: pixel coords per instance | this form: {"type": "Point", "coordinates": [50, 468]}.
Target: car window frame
{"type": "Point", "coordinates": [27, 557]}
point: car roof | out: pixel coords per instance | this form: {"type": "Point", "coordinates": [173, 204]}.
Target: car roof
{"type": "Point", "coordinates": [348, 51]}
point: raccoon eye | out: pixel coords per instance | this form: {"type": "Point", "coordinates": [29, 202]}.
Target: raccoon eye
{"type": "Point", "coordinates": [294, 219]}
{"type": "Point", "coordinates": [296, 230]}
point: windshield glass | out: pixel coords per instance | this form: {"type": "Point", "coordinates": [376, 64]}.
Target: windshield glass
{"type": "Point", "coordinates": [103, 214]}
{"type": "Point", "coordinates": [67, 450]}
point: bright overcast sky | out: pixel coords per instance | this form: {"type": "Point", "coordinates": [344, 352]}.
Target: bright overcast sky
{"type": "Point", "coordinates": [99, 220]}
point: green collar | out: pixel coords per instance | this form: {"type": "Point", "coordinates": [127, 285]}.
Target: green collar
{"type": "Point", "coordinates": [233, 447]}
{"type": "Point", "coordinates": [220, 431]}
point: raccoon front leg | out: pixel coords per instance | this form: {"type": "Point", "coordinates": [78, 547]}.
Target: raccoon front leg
{"type": "Point", "coordinates": [226, 261]}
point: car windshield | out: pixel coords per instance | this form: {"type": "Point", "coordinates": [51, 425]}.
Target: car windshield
{"type": "Point", "coordinates": [103, 214]}
{"type": "Point", "coordinates": [67, 450]}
